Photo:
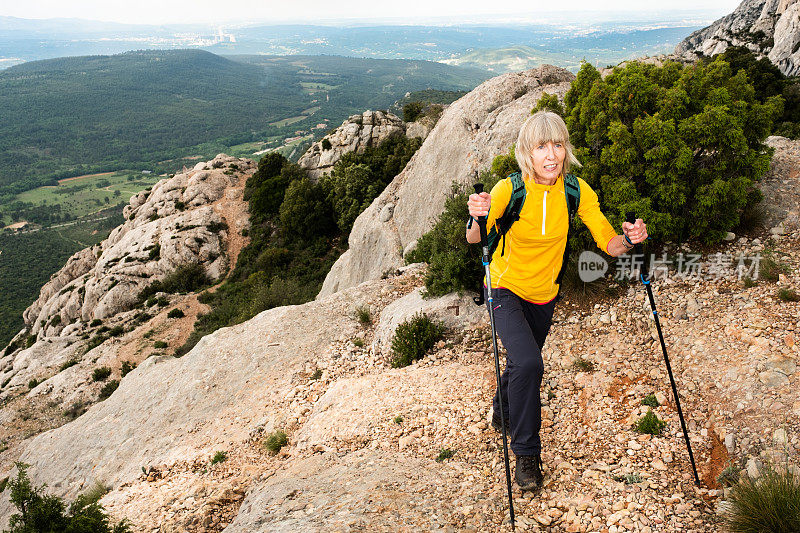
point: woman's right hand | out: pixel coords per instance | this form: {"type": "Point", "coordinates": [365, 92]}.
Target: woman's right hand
{"type": "Point", "coordinates": [479, 204]}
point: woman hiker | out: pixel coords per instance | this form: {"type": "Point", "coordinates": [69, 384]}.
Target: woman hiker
{"type": "Point", "coordinates": [524, 270]}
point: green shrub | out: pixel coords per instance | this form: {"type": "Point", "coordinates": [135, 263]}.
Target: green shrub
{"type": "Point", "coordinates": [101, 373]}
{"type": "Point", "coordinates": [650, 400]}
{"type": "Point", "coordinates": [266, 188]}
{"type": "Point", "coordinates": [412, 111]}
{"type": "Point", "coordinates": [159, 345]}
{"type": "Point", "coordinates": [75, 410]}
{"type": "Point", "coordinates": [364, 315]}
{"type": "Point", "coordinates": [679, 145]}
{"type": "Point", "coordinates": [108, 389]}
{"type": "Point", "coordinates": [549, 102]}
{"type": "Point", "coordinates": [398, 419]}
{"type": "Point", "coordinates": [275, 441]}
{"type": "Point", "coordinates": [788, 295]}
{"type": "Point", "coordinates": [650, 424]}
{"type": "Point", "coordinates": [187, 278]}
{"type": "Point", "coordinates": [453, 264]}
{"type": "Point", "coordinates": [155, 253]}
{"type": "Point", "coordinates": [33, 383]}
{"type": "Point", "coordinates": [219, 457]}
{"type": "Point", "coordinates": [769, 503]}
{"type": "Point", "coordinates": [582, 364]}
{"type": "Point", "coordinates": [358, 342]}
{"type": "Point", "coordinates": [769, 269]}
{"type": "Point", "coordinates": [67, 364]}
{"type": "Point", "coordinates": [127, 367]}
{"type": "Point", "coordinates": [729, 476]}
{"type": "Point", "coordinates": [96, 322]}
{"type": "Point", "coordinates": [748, 282]}
{"type": "Point", "coordinates": [46, 513]}
{"type": "Point", "coordinates": [628, 479]}
{"type": "Point", "coordinates": [356, 179]}
{"type": "Point", "coordinates": [176, 313]}
{"type": "Point", "coordinates": [444, 454]}
{"type": "Point", "coordinates": [413, 338]}
{"type": "Point", "coordinates": [316, 375]}
{"type": "Point", "coordinates": [116, 331]}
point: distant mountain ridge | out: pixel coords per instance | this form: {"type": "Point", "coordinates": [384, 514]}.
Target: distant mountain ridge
{"type": "Point", "coordinates": [769, 28]}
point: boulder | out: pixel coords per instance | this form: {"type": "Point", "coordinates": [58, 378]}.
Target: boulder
{"type": "Point", "coordinates": [470, 133]}
{"type": "Point", "coordinates": [356, 134]}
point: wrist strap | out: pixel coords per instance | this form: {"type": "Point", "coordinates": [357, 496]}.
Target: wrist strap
{"type": "Point", "coordinates": [629, 242]}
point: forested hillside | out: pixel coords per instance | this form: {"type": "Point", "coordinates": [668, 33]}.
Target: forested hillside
{"type": "Point", "coordinates": [70, 116]}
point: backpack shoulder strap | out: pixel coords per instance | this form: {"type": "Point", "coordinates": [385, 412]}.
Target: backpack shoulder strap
{"type": "Point", "coordinates": [572, 191]}
{"type": "Point", "coordinates": [511, 212]}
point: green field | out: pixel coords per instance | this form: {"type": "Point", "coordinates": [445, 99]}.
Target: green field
{"type": "Point", "coordinates": [75, 198]}
{"type": "Point", "coordinates": [72, 116]}
{"type": "Point", "coordinates": [288, 121]}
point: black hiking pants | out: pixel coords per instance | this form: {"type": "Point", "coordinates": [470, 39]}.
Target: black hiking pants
{"type": "Point", "coordinates": [523, 327]}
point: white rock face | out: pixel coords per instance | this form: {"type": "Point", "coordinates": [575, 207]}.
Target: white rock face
{"type": "Point", "coordinates": [355, 134]}
{"type": "Point", "coordinates": [777, 20]}
{"type": "Point", "coordinates": [156, 238]}
{"type": "Point", "coordinates": [170, 226]}
{"type": "Point", "coordinates": [451, 309]}
{"type": "Point", "coordinates": [240, 373]}
{"type": "Point", "coordinates": [471, 132]}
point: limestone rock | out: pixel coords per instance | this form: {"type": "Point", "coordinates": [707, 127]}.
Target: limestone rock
{"type": "Point", "coordinates": [470, 133]}
{"type": "Point", "coordinates": [451, 309]}
{"type": "Point", "coordinates": [769, 28]}
{"type": "Point", "coordinates": [356, 134]}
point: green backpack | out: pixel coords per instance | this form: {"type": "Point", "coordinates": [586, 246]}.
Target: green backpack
{"type": "Point", "coordinates": [513, 209]}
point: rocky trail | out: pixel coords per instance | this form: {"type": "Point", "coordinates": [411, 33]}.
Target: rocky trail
{"type": "Point", "coordinates": [364, 438]}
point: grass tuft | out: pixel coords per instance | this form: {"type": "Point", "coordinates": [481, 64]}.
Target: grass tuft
{"type": "Point", "coordinates": [219, 457]}
{"type": "Point", "coordinates": [444, 454]}
{"type": "Point", "coordinates": [769, 503]}
{"type": "Point", "coordinates": [788, 295]}
{"type": "Point", "coordinates": [275, 442]}
{"type": "Point", "coordinates": [583, 365]}
{"type": "Point", "coordinates": [363, 315]}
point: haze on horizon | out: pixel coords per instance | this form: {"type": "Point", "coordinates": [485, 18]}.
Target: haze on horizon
{"type": "Point", "coordinates": [309, 11]}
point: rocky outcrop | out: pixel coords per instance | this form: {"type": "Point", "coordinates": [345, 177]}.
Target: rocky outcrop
{"type": "Point", "coordinates": [167, 227]}
{"type": "Point", "coordinates": [470, 133]}
{"type": "Point", "coordinates": [354, 135]}
{"type": "Point", "coordinates": [768, 28]}
{"type": "Point", "coordinates": [179, 222]}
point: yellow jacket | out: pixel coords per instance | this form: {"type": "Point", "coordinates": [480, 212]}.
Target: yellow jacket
{"type": "Point", "coordinates": [534, 246]}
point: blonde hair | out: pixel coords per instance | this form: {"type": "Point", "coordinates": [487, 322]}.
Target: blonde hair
{"type": "Point", "coordinates": [540, 128]}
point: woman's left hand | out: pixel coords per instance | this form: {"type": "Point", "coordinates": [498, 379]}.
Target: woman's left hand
{"type": "Point", "coordinates": [636, 232]}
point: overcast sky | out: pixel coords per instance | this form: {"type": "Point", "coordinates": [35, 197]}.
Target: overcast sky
{"type": "Point", "coordinates": [183, 11]}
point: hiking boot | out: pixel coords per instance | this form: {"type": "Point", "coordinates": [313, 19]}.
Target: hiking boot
{"type": "Point", "coordinates": [528, 473]}
{"type": "Point", "coordinates": [496, 424]}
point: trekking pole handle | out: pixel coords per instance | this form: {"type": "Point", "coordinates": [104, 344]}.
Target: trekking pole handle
{"type": "Point", "coordinates": [482, 224]}
{"type": "Point", "coordinates": [638, 249]}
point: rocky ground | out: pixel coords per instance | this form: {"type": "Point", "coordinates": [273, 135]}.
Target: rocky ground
{"type": "Point", "coordinates": [361, 424]}
{"type": "Point", "coordinates": [364, 438]}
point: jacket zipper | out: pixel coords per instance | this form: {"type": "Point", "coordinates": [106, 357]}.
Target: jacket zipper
{"type": "Point", "coordinates": [544, 210]}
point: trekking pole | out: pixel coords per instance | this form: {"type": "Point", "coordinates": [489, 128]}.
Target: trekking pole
{"type": "Point", "coordinates": [486, 259]}
{"type": "Point", "coordinates": [645, 278]}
